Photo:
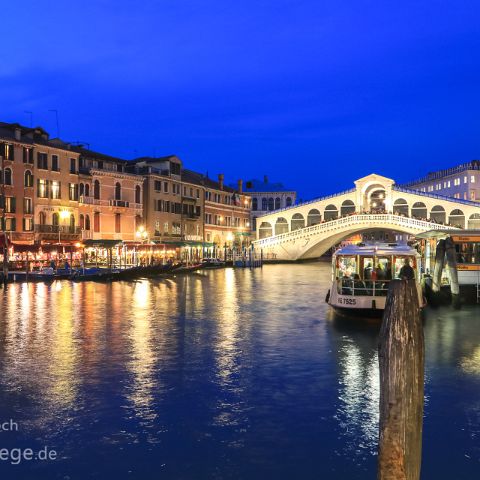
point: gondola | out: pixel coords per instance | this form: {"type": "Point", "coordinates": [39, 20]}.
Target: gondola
{"type": "Point", "coordinates": [187, 269]}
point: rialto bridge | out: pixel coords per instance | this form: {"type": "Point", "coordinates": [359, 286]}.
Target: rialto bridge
{"type": "Point", "coordinates": [310, 229]}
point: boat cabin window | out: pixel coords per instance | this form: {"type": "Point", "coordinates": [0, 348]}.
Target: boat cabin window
{"type": "Point", "coordinates": [400, 262]}
{"type": "Point", "coordinates": [346, 266]}
{"type": "Point", "coordinates": [468, 252]}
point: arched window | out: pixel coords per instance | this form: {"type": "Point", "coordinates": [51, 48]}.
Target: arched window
{"type": "Point", "coordinates": [281, 226]}
{"type": "Point", "coordinates": [457, 218]}
{"type": "Point", "coordinates": [55, 219]}
{"type": "Point", "coordinates": [118, 191]}
{"type": "Point", "coordinates": [28, 179]}
{"type": "Point", "coordinates": [96, 190]}
{"type": "Point", "coordinates": [42, 218]}
{"type": "Point", "coordinates": [474, 221]}
{"type": "Point", "coordinates": [264, 204]}
{"type": "Point", "coordinates": [87, 222]}
{"type": "Point", "coordinates": [81, 189]}
{"type": "Point", "coordinates": [419, 210]}
{"type": "Point", "coordinates": [313, 217]}
{"type": "Point", "coordinates": [438, 214]}
{"type": "Point", "coordinates": [82, 221]}
{"type": "Point", "coordinates": [87, 190]}
{"type": "Point", "coordinates": [288, 202]}
{"type": "Point", "coordinates": [297, 222]}
{"type": "Point", "coordinates": [138, 194]}
{"type": "Point", "coordinates": [277, 203]}
{"type": "Point", "coordinates": [330, 213]}
{"type": "Point", "coordinates": [254, 204]}
{"type": "Point", "coordinates": [347, 208]}
{"type": "Point", "coordinates": [8, 176]}
{"type": "Point", "coordinates": [265, 230]}
{"type": "Point", "coordinates": [271, 204]}
{"type": "Point", "coordinates": [400, 207]}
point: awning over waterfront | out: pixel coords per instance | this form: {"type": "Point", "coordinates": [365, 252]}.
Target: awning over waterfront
{"type": "Point", "coordinates": [101, 243]}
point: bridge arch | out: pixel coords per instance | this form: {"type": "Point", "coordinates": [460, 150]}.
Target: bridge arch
{"type": "Point", "coordinates": [400, 207]}
{"type": "Point", "coordinates": [298, 221]}
{"type": "Point", "coordinates": [281, 226]}
{"type": "Point", "coordinates": [314, 217]}
{"type": "Point", "coordinates": [330, 212]}
{"type": "Point", "coordinates": [474, 221]}
{"type": "Point", "coordinates": [347, 208]}
{"type": "Point", "coordinates": [265, 230]}
{"type": "Point", "coordinates": [457, 218]}
{"type": "Point", "coordinates": [438, 214]}
{"type": "Point", "coordinates": [419, 210]}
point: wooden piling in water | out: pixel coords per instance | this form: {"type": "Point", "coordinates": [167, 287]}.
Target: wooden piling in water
{"type": "Point", "coordinates": [401, 362]}
{"type": "Point", "coordinates": [450, 254]}
{"type": "Point", "coordinates": [439, 262]}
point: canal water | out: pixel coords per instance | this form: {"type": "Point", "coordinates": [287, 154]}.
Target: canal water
{"type": "Point", "coordinates": [227, 374]}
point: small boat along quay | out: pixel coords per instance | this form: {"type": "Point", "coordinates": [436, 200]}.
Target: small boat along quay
{"type": "Point", "coordinates": [111, 272]}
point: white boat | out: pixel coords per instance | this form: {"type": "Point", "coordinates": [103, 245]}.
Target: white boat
{"type": "Point", "coordinates": [361, 275]}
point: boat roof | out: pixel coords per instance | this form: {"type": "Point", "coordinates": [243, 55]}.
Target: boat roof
{"type": "Point", "coordinates": [439, 234]}
{"type": "Point", "coordinates": [377, 249]}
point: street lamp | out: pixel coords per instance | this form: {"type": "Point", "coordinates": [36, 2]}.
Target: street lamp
{"type": "Point", "coordinates": [64, 214]}
{"type": "Point", "coordinates": [142, 234]}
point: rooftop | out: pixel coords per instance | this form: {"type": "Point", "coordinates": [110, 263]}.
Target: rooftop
{"type": "Point", "coordinates": [200, 179]}
{"type": "Point", "coordinates": [256, 185]}
{"type": "Point", "coordinates": [473, 165]}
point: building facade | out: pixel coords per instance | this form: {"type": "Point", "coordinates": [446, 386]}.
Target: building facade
{"type": "Point", "coordinates": [227, 212]}
{"type": "Point", "coordinates": [53, 192]}
{"type": "Point", "coordinates": [173, 208]}
{"type": "Point", "coordinates": [110, 198]}
{"type": "Point", "coordinates": [461, 182]}
{"type": "Point", "coordinates": [267, 197]}
{"type": "Point", "coordinates": [58, 193]}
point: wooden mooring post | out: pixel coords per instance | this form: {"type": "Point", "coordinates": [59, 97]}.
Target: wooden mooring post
{"type": "Point", "coordinates": [401, 362]}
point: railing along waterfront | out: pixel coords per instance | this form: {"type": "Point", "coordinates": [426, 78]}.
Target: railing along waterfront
{"type": "Point", "coordinates": [358, 219]}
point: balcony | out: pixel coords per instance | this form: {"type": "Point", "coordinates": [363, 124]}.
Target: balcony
{"type": "Point", "coordinates": [189, 198]}
{"type": "Point", "coordinates": [67, 229]}
{"type": "Point", "coordinates": [58, 232]}
{"type": "Point", "coordinates": [119, 203]}
{"type": "Point", "coordinates": [191, 216]}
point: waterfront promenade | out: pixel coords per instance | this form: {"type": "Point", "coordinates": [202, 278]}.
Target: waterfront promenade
{"type": "Point", "coordinates": [221, 374]}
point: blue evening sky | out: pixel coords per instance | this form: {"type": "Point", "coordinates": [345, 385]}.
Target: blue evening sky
{"type": "Point", "coordinates": [312, 93]}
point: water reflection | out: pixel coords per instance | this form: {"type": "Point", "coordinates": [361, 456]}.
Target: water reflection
{"type": "Point", "coordinates": [359, 383]}
{"type": "Point", "coordinates": [241, 374]}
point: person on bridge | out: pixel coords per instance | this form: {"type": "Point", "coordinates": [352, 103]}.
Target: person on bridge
{"type": "Point", "coordinates": [407, 272]}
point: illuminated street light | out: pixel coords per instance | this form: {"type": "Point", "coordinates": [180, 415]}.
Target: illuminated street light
{"type": "Point", "coordinates": [63, 215]}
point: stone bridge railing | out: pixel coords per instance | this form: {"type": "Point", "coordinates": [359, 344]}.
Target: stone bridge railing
{"type": "Point", "coordinates": [343, 223]}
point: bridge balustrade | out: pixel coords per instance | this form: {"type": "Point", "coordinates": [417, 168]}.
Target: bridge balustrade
{"type": "Point", "coordinates": [337, 224]}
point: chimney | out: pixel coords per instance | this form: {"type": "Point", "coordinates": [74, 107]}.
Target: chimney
{"type": "Point", "coordinates": [265, 179]}
{"type": "Point", "coordinates": [18, 134]}
{"type": "Point", "coordinates": [221, 177]}
{"type": "Point", "coordinates": [240, 186]}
